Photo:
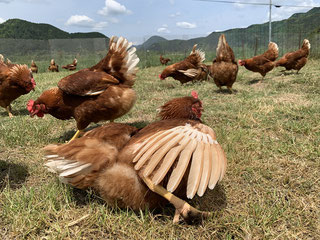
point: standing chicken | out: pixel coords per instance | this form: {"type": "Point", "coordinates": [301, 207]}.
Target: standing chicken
{"type": "Point", "coordinates": [102, 92]}
{"type": "Point", "coordinates": [192, 68]}
{"type": "Point", "coordinates": [164, 61]}
{"type": "Point", "coordinates": [15, 81]}
{"type": "Point", "coordinates": [34, 67]}
{"type": "Point", "coordinates": [53, 67]}
{"type": "Point", "coordinates": [262, 63]}
{"type": "Point", "coordinates": [295, 60]}
{"type": "Point", "coordinates": [72, 66]}
{"type": "Point", "coordinates": [176, 157]}
{"type": "Point", "coordinates": [224, 68]}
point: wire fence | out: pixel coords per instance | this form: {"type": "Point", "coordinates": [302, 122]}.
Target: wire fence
{"type": "Point", "coordinates": [245, 44]}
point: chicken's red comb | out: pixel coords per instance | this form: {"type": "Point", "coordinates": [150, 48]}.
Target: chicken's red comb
{"type": "Point", "coordinates": [30, 105]}
{"type": "Point", "coordinates": [194, 94]}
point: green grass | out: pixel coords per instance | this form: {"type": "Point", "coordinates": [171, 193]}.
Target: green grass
{"type": "Point", "coordinates": [269, 131]}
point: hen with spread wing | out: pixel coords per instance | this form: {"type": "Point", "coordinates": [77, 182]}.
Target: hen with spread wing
{"type": "Point", "coordinates": [102, 92]}
{"type": "Point", "coordinates": [176, 157]}
{"type": "Point", "coordinates": [190, 69]}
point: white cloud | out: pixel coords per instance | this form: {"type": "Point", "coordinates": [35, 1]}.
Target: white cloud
{"type": "Point", "coordinates": [80, 21]}
{"type": "Point", "coordinates": [113, 8]}
{"type": "Point", "coordinates": [2, 20]}
{"type": "Point", "coordinates": [175, 14]}
{"type": "Point", "coordinates": [100, 25]}
{"type": "Point", "coordinates": [171, 2]}
{"type": "Point", "coordinates": [5, 1]}
{"type": "Point", "coordinates": [186, 25]}
{"type": "Point", "coordinates": [163, 30]}
{"type": "Point", "coordinates": [86, 22]}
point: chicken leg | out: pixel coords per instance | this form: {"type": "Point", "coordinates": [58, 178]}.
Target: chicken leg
{"type": "Point", "coordinates": [8, 108]}
{"type": "Point", "coordinates": [183, 209]}
{"type": "Point", "coordinates": [76, 135]}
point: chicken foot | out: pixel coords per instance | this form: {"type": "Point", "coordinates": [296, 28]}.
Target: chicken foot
{"type": "Point", "coordinates": [8, 108]}
{"type": "Point", "coordinates": [183, 209]}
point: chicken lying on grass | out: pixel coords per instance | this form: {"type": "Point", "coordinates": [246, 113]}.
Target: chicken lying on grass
{"type": "Point", "coordinates": [263, 63]}
{"type": "Point", "coordinates": [176, 157]}
{"type": "Point", "coordinates": [15, 80]}
{"type": "Point", "coordinates": [102, 92]}
{"type": "Point", "coordinates": [190, 69]}
{"type": "Point", "coordinates": [72, 66]}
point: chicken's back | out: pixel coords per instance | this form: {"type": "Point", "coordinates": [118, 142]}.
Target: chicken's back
{"type": "Point", "coordinates": [224, 73]}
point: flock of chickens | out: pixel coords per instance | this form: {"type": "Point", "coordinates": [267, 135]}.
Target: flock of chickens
{"type": "Point", "coordinates": [224, 67]}
{"type": "Point", "coordinates": [54, 67]}
{"type": "Point", "coordinates": [169, 160]}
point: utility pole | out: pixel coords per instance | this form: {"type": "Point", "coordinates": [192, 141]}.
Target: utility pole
{"type": "Point", "coordinates": [270, 5]}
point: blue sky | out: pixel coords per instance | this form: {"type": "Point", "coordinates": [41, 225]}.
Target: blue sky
{"type": "Point", "coordinates": [138, 20]}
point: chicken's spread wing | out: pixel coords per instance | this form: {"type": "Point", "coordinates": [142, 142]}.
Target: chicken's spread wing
{"type": "Point", "coordinates": [86, 83]}
{"type": "Point", "coordinates": [178, 149]}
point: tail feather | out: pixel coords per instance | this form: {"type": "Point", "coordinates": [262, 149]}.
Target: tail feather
{"type": "Point", "coordinates": [121, 60]}
{"type": "Point", "coordinates": [273, 51]}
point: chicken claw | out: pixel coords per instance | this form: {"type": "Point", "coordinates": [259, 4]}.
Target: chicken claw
{"type": "Point", "coordinates": [183, 209]}
{"type": "Point", "coordinates": [189, 213]}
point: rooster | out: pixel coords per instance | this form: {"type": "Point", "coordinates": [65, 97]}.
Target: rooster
{"type": "Point", "coordinates": [34, 67]}
{"type": "Point", "coordinates": [53, 67]}
{"type": "Point", "coordinates": [263, 63]}
{"type": "Point", "coordinates": [192, 68]}
{"type": "Point", "coordinates": [15, 80]}
{"type": "Point", "coordinates": [102, 92]}
{"type": "Point", "coordinates": [295, 60]}
{"type": "Point", "coordinates": [163, 60]}
{"type": "Point", "coordinates": [176, 157]}
{"type": "Point", "coordinates": [72, 66]}
{"type": "Point", "coordinates": [224, 68]}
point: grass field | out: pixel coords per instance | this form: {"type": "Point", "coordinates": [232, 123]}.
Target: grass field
{"type": "Point", "coordinates": [269, 131]}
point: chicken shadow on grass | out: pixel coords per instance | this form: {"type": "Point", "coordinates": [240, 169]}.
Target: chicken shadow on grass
{"type": "Point", "coordinates": [225, 91]}
{"type": "Point", "coordinates": [212, 201]}
{"type": "Point", "coordinates": [12, 175]}
{"type": "Point", "coordinates": [254, 81]}
{"type": "Point", "coordinates": [15, 112]}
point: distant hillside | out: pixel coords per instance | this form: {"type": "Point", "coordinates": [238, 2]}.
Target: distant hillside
{"type": "Point", "coordinates": [21, 29]}
{"type": "Point", "coordinates": [288, 34]}
{"type": "Point", "coordinates": [151, 41]}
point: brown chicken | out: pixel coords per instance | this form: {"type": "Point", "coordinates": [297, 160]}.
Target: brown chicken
{"type": "Point", "coordinates": [190, 69]}
{"type": "Point", "coordinates": [263, 63]}
{"type": "Point", "coordinates": [176, 157]}
{"type": "Point", "coordinates": [72, 66]}
{"type": "Point", "coordinates": [102, 92]}
{"type": "Point", "coordinates": [34, 67]}
{"type": "Point", "coordinates": [295, 60]}
{"type": "Point", "coordinates": [53, 67]}
{"type": "Point", "coordinates": [224, 68]}
{"type": "Point", "coordinates": [164, 61]}
{"type": "Point", "coordinates": [15, 81]}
